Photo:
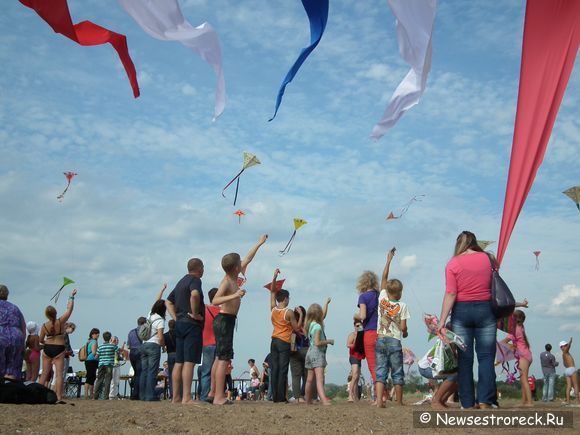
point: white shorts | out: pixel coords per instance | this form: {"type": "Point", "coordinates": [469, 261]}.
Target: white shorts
{"type": "Point", "coordinates": [570, 371]}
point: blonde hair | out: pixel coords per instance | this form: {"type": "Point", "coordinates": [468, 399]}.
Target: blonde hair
{"type": "Point", "coordinates": [314, 314]}
{"type": "Point", "coordinates": [466, 240]}
{"type": "Point", "coordinates": [395, 288]}
{"type": "Point", "coordinates": [367, 281]}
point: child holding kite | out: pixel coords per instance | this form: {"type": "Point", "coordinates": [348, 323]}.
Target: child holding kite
{"type": "Point", "coordinates": [229, 297]}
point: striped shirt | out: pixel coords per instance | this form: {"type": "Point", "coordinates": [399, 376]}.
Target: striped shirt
{"type": "Point", "coordinates": [107, 353]}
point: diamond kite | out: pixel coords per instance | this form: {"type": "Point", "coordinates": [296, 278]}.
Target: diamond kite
{"type": "Point", "coordinates": [537, 254]}
{"type": "Point", "coordinates": [483, 244]}
{"type": "Point", "coordinates": [249, 161]}
{"type": "Point", "coordinates": [65, 281]}
{"type": "Point", "coordinates": [405, 208]}
{"type": "Point", "coordinates": [297, 224]}
{"type": "Point", "coordinates": [574, 194]}
{"type": "Point", "coordinates": [239, 214]}
{"type": "Point", "coordinates": [69, 176]}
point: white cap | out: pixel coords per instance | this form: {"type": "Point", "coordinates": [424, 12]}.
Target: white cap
{"type": "Point", "coordinates": [32, 327]}
{"type": "Point", "coordinates": [563, 343]}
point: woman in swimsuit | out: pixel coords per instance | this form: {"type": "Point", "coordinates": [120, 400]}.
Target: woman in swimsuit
{"type": "Point", "coordinates": [32, 352]}
{"type": "Point", "coordinates": [52, 337]}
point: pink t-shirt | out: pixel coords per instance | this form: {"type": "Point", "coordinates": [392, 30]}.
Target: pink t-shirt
{"type": "Point", "coordinates": [469, 276]}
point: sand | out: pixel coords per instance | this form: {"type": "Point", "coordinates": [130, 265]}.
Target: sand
{"type": "Point", "coordinates": [132, 417]}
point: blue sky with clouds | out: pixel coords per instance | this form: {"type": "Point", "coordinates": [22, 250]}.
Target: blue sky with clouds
{"type": "Point", "coordinates": [151, 169]}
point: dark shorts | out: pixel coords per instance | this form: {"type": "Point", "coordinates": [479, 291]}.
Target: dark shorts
{"type": "Point", "coordinates": [352, 360]}
{"type": "Point", "coordinates": [223, 329]}
{"type": "Point", "coordinates": [188, 342]}
{"type": "Point", "coordinates": [91, 367]}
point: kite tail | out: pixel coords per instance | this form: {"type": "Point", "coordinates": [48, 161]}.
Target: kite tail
{"type": "Point", "coordinates": [237, 177]}
{"type": "Point", "coordinates": [61, 196]}
{"type": "Point", "coordinates": [578, 206]}
{"type": "Point", "coordinates": [537, 263]}
{"type": "Point", "coordinates": [57, 294]}
{"type": "Point", "coordinates": [288, 245]}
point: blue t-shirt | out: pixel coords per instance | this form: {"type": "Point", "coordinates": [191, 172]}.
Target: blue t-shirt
{"type": "Point", "coordinates": [180, 298]}
{"type": "Point", "coordinates": [90, 355]}
{"type": "Point", "coordinates": [370, 299]}
{"type": "Point", "coordinates": [312, 332]}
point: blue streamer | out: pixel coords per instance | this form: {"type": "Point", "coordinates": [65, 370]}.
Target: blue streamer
{"type": "Point", "coordinates": [317, 11]}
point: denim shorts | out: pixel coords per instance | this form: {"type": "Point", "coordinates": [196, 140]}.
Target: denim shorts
{"type": "Point", "coordinates": [188, 342]}
{"type": "Point", "coordinates": [389, 355]}
{"type": "Point", "coordinates": [428, 374]}
{"type": "Point", "coordinates": [315, 357]}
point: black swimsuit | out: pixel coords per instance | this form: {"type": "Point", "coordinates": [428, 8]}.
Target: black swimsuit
{"type": "Point", "coordinates": [53, 350]}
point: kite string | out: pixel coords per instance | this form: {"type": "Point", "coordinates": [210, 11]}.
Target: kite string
{"type": "Point", "coordinates": [288, 245]}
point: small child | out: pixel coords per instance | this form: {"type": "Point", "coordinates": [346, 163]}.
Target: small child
{"type": "Point", "coordinates": [229, 297]}
{"type": "Point", "coordinates": [254, 386]}
{"type": "Point", "coordinates": [106, 354]}
{"type": "Point", "coordinates": [446, 389]}
{"type": "Point", "coordinates": [32, 355]}
{"type": "Point", "coordinates": [356, 355]}
{"type": "Point", "coordinates": [520, 344]}
{"type": "Point", "coordinates": [570, 371]}
{"type": "Point", "coordinates": [391, 329]}
{"type": "Point", "coordinates": [316, 355]}
{"type": "Point", "coordinates": [284, 323]}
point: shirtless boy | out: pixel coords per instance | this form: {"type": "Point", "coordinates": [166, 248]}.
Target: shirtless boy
{"type": "Point", "coordinates": [229, 297]}
{"type": "Point", "coordinates": [570, 370]}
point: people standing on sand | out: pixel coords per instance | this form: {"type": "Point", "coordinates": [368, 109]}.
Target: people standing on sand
{"type": "Point", "coordinates": [298, 353]}
{"type": "Point", "coordinates": [107, 352]}
{"type": "Point", "coordinates": [32, 352]}
{"type": "Point", "coordinates": [151, 349]}
{"type": "Point", "coordinates": [12, 335]}
{"type": "Point", "coordinates": [367, 303]}
{"type": "Point", "coordinates": [206, 373]}
{"type": "Point", "coordinates": [134, 344]}
{"type": "Point", "coordinates": [468, 295]}
{"type": "Point", "coordinates": [569, 371]}
{"type": "Point", "coordinates": [355, 357]}
{"type": "Point", "coordinates": [229, 298]}
{"type": "Point", "coordinates": [186, 306]}
{"type": "Point", "coordinates": [549, 364]}
{"type": "Point", "coordinates": [316, 355]}
{"type": "Point", "coordinates": [521, 346]}
{"type": "Point", "coordinates": [52, 339]}
{"type": "Point", "coordinates": [284, 324]}
{"type": "Point", "coordinates": [391, 329]}
{"type": "Point", "coordinates": [170, 348]}
{"type": "Point", "coordinates": [92, 362]}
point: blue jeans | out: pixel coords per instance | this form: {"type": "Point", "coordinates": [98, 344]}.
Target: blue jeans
{"type": "Point", "coordinates": [474, 321]}
{"type": "Point", "coordinates": [204, 374]}
{"type": "Point", "coordinates": [548, 391]}
{"type": "Point", "coordinates": [170, 365]}
{"type": "Point", "coordinates": [150, 358]}
{"type": "Point", "coordinates": [135, 358]}
{"type": "Point", "coordinates": [389, 358]}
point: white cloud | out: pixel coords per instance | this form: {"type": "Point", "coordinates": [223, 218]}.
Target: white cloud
{"type": "Point", "coordinates": [566, 303]}
{"type": "Point", "coordinates": [408, 263]}
{"type": "Point", "coordinates": [187, 89]}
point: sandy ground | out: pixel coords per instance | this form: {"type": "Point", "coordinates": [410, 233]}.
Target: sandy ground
{"type": "Point", "coordinates": [130, 417]}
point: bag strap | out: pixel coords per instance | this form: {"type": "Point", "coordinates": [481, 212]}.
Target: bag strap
{"type": "Point", "coordinates": [492, 261]}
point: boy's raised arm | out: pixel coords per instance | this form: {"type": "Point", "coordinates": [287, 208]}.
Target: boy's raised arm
{"type": "Point", "coordinates": [273, 290]}
{"type": "Point", "coordinates": [252, 253]}
{"type": "Point", "coordinates": [385, 275]}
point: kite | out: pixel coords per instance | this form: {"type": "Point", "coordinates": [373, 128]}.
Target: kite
{"type": "Point", "coordinates": [408, 358]}
{"type": "Point", "coordinates": [279, 285]}
{"type": "Point", "coordinates": [483, 244]}
{"type": "Point", "coordinates": [317, 11]}
{"type": "Point", "coordinates": [69, 176]}
{"type": "Point", "coordinates": [297, 224]}
{"type": "Point", "coordinates": [405, 208]}
{"type": "Point", "coordinates": [239, 214]}
{"type": "Point", "coordinates": [432, 323]}
{"type": "Point", "coordinates": [241, 280]}
{"type": "Point", "coordinates": [163, 20]}
{"type": "Point", "coordinates": [65, 281]}
{"type": "Point", "coordinates": [414, 21]}
{"type": "Point", "coordinates": [537, 254]}
{"type": "Point", "coordinates": [574, 194]}
{"type": "Point", "coordinates": [57, 15]}
{"type": "Point", "coordinates": [549, 48]}
{"type": "Point", "coordinates": [249, 161]}
{"type": "Point", "coordinates": [503, 355]}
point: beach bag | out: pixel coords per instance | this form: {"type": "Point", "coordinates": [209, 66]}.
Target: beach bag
{"type": "Point", "coordinates": [17, 392]}
{"type": "Point", "coordinates": [503, 302]}
{"type": "Point", "coordinates": [144, 331]}
{"type": "Point", "coordinates": [83, 351]}
{"type": "Point", "coordinates": [443, 360]}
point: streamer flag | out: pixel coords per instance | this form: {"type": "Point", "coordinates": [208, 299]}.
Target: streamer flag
{"type": "Point", "coordinates": [69, 176]}
{"type": "Point", "coordinates": [414, 20]}
{"type": "Point", "coordinates": [57, 15]}
{"type": "Point", "coordinates": [298, 223]}
{"type": "Point", "coordinates": [574, 194]}
{"type": "Point", "coordinates": [249, 161]}
{"type": "Point", "coordinates": [162, 19]}
{"type": "Point", "coordinates": [65, 281]}
{"type": "Point", "coordinates": [317, 11]}
{"type": "Point", "coordinates": [551, 40]}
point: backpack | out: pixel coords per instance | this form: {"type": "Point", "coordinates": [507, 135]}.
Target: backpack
{"type": "Point", "coordinates": [83, 351]}
{"type": "Point", "coordinates": [144, 331]}
{"type": "Point", "coordinates": [18, 392]}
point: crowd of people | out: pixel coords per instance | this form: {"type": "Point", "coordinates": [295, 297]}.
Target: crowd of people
{"type": "Point", "coordinates": [201, 328]}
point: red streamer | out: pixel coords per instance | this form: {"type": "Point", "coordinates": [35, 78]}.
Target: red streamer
{"type": "Point", "coordinates": [57, 15]}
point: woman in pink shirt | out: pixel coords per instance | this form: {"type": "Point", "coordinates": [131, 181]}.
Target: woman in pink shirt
{"type": "Point", "coordinates": [468, 299]}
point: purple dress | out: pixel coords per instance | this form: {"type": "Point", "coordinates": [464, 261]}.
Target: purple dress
{"type": "Point", "coordinates": [11, 340]}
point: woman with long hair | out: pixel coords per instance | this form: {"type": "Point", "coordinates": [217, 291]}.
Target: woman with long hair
{"type": "Point", "coordinates": [468, 300]}
{"type": "Point", "coordinates": [92, 362]}
{"type": "Point", "coordinates": [52, 338]}
{"type": "Point", "coordinates": [151, 350]}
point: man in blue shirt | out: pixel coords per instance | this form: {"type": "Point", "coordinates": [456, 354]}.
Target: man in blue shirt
{"type": "Point", "coordinates": [134, 344]}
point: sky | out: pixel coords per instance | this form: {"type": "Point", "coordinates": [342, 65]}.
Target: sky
{"type": "Point", "coordinates": [147, 197]}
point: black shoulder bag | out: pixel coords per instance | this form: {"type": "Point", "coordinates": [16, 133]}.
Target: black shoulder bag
{"type": "Point", "coordinates": [503, 302]}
